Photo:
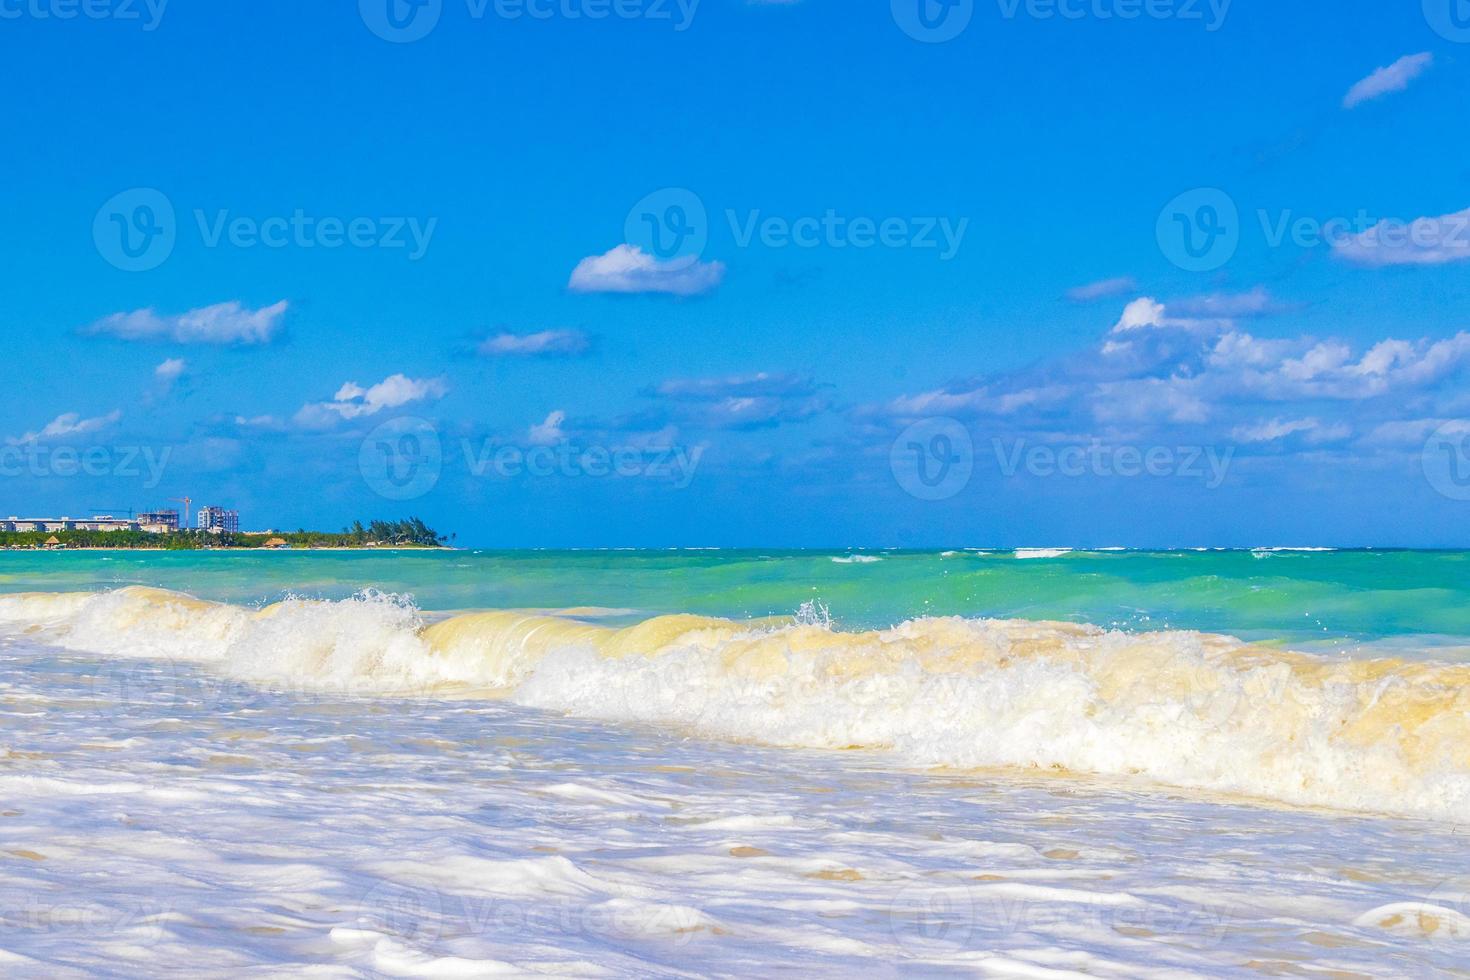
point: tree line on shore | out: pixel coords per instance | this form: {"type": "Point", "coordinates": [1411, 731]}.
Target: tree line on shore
{"type": "Point", "coordinates": [409, 533]}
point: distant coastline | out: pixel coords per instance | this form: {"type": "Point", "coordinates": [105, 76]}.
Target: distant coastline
{"type": "Point", "coordinates": [407, 535]}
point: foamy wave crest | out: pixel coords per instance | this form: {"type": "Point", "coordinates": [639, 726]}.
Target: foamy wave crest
{"type": "Point", "coordinates": [1180, 709]}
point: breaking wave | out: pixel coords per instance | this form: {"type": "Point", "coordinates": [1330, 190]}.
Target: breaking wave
{"type": "Point", "coordinates": [1181, 709]}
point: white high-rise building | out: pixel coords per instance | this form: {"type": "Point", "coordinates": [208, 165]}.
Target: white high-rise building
{"type": "Point", "coordinates": [217, 520]}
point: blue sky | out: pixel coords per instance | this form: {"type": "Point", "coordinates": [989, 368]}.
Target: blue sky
{"type": "Point", "coordinates": [930, 293]}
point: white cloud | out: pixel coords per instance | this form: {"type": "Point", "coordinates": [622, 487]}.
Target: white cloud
{"type": "Point", "coordinates": [549, 432]}
{"type": "Point", "coordinates": [1411, 433]}
{"type": "Point", "coordinates": [1301, 392]}
{"type": "Point", "coordinates": [1103, 289]}
{"type": "Point", "coordinates": [1423, 241]}
{"type": "Point", "coordinates": [67, 425]}
{"type": "Point", "coordinates": [170, 371]}
{"type": "Point", "coordinates": [1255, 302]}
{"type": "Point", "coordinates": [761, 384]}
{"type": "Point", "coordinates": [628, 269]}
{"type": "Point", "coordinates": [548, 343]}
{"type": "Point", "coordinates": [1150, 399]}
{"type": "Point", "coordinates": [1140, 314]}
{"type": "Point", "coordinates": [1241, 350]}
{"type": "Point", "coordinates": [1332, 369]}
{"type": "Point", "coordinates": [223, 323]}
{"type": "Point", "coordinates": [1274, 430]}
{"type": "Point", "coordinates": [1395, 78]}
{"type": "Point", "coordinates": [354, 401]}
{"type": "Point", "coordinates": [1147, 313]}
{"type": "Point", "coordinates": [743, 401]}
{"type": "Point", "coordinates": [979, 400]}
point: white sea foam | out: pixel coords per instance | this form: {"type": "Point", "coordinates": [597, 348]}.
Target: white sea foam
{"type": "Point", "coordinates": [1173, 708]}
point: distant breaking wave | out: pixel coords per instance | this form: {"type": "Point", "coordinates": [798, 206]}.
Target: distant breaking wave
{"type": "Point", "coordinates": [1179, 709]}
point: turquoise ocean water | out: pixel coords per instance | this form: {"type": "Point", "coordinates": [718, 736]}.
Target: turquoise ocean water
{"type": "Point", "coordinates": [1337, 598]}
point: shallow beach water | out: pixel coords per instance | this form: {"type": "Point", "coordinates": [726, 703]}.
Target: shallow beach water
{"type": "Point", "coordinates": [343, 788]}
{"type": "Point", "coordinates": [156, 819]}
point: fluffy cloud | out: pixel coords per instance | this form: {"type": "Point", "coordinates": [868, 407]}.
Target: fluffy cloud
{"type": "Point", "coordinates": [1424, 241]}
{"type": "Point", "coordinates": [67, 426]}
{"type": "Point", "coordinates": [1394, 78]}
{"type": "Point", "coordinates": [548, 343]}
{"type": "Point", "coordinates": [353, 401]}
{"type": "Point", "coordinates": [1147, 313]}
{"type": "Point", "coordinates": [224, 324]}
{"type": "Point", "coordinates": [1156, 375]}
{"type": "Point", "coordinates": [1277, 429]}
{"type": "Point", "coordinates": [549, 432]}
{"type": "Point", "coordinates": [170, 371]}
{"type": "Point", "coordinates": [628, 269]}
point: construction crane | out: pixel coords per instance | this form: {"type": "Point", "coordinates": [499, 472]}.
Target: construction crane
{"type": "Point", "coordinates": [186, 501]}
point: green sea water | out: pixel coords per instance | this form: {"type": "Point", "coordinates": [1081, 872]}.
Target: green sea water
{"type": "Point", "coordinates": [1330, 598]}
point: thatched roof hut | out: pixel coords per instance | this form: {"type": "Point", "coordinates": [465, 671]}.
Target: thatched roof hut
{"type": "Point", "coordinates": [276, 543]}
